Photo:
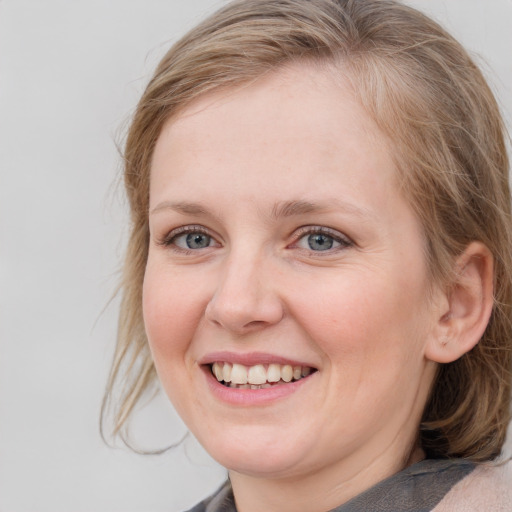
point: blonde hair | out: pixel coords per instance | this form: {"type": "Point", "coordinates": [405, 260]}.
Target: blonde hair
{"type": "Point", "coordinates": [428, 97]}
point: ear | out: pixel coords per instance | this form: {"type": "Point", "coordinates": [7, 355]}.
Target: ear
{"type": "Point", "coordinates": [466, 308]}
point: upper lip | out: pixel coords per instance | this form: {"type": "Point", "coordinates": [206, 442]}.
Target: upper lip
{"type": "Point", "coordinates": [250, 359]}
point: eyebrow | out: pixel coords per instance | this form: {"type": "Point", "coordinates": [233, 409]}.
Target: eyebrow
{"type": "Point", "coordinates": [299, 207]}
{"type": "Point", "coordinates": [181, 207]}
{"type": "Point", "coordinates": [282, 209]}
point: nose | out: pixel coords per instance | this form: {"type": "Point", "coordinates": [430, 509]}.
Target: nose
{"type": "Point", "coordinates": [246, 297]}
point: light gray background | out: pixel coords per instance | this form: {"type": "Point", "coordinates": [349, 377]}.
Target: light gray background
{"type": "Point", "coordinates": [70, 74]}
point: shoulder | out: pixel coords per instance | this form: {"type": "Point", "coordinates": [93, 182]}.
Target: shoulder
{"type": "Point", "coordinates": [488, 487]}
{"type": "Point", "coordinates": [221, 501]}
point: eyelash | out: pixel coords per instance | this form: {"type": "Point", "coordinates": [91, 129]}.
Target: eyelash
{"type": "Point", "coordinates": [305, 231]}
{"type": "Point", "coordinates": [344, 242]}
{"type": "Point", "coordinates": [170, 239]}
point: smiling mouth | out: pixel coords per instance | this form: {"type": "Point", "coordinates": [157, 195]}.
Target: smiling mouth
{"type": "Point", "coordinates": [259, 376]}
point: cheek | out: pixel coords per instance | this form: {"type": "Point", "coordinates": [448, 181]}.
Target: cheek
{"type": "Point", "coordinates": [365, 319]}
{"type": "Point", "coordinates": [172, 309]}
{"type": "Point", "coordinates": [370, 332]}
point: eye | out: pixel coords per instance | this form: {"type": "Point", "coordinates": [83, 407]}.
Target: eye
{"type": "Point", "coordinates": [189, 238]}
{"type": "Point", "coordinates": [320, 242]}
{"type": "Point", "coordinates": [321, 239]}
{"type": "Point", "coordinates": [192, 241]}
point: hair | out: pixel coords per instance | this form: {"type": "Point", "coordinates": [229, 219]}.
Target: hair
{"type": "Point", "coordinates": [429, 98]}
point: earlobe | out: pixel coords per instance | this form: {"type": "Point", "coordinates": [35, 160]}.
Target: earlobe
{"type": "Point", "coordinates": [466, 308]}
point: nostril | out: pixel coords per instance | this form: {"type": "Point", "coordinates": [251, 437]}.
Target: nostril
{"type": "Point", "coordinates": [244, 300]}
{"type": "Point", "coordinates": [241, 320]}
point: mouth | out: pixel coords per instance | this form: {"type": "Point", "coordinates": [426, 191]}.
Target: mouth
{"type": "Point", "coordinates": [259, 376]}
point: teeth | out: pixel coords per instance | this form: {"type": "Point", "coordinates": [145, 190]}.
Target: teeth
{"type": "Point", "coordinates": [257, 377]}
{"type": "Point", "coordinates": [287, 373]}
{"type": "Point", "coordinates": [274, 373]}
{"type": "Point", "coordinates": [239, 374]}
{"type": "Point", "coordinates": [257, 374]}
{"type": "Point", "coordinates": [217, 370]}
{"type": "Point", "coordinates": [226, 373]}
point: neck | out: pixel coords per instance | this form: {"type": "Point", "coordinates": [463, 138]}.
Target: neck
{"type": "Point", "coordinates": [319, 491]}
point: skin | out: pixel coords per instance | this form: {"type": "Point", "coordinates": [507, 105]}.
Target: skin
{"type": "Point", "coordinates": [362, 313]}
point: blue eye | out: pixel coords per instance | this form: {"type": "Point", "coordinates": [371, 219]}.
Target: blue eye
{"type": "Point", "coordinates": [321, 240]}
{"type": "Point", "coordinates": [192, 240]}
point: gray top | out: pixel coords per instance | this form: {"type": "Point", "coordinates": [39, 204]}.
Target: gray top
{"type": "Point", "coordinates": [418, 488]}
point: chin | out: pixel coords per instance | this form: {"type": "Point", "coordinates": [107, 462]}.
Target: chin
{"type": "Point", "coordinates": [252, 452]}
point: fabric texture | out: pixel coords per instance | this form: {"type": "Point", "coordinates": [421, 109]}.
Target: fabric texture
{"type": "Point", "coordinates": [428, 486]}
{"type": "Point", "coordinates": [488, 488]}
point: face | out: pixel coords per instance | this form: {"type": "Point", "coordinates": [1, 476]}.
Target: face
{"type": "Point", "coordinates": [285, 294]}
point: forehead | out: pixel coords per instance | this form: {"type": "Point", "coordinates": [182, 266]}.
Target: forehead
{"type": "Point", "coordinates": [301, 120]}
{"type": "Point", "coordinates": [308, 90]}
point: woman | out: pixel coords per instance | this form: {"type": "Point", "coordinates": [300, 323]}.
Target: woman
{"type": "Point", "coordinates": [319, 268]}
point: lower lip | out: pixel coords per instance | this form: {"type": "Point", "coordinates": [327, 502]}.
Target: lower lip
{"type": "Point", "coordinates": [248, 397]}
